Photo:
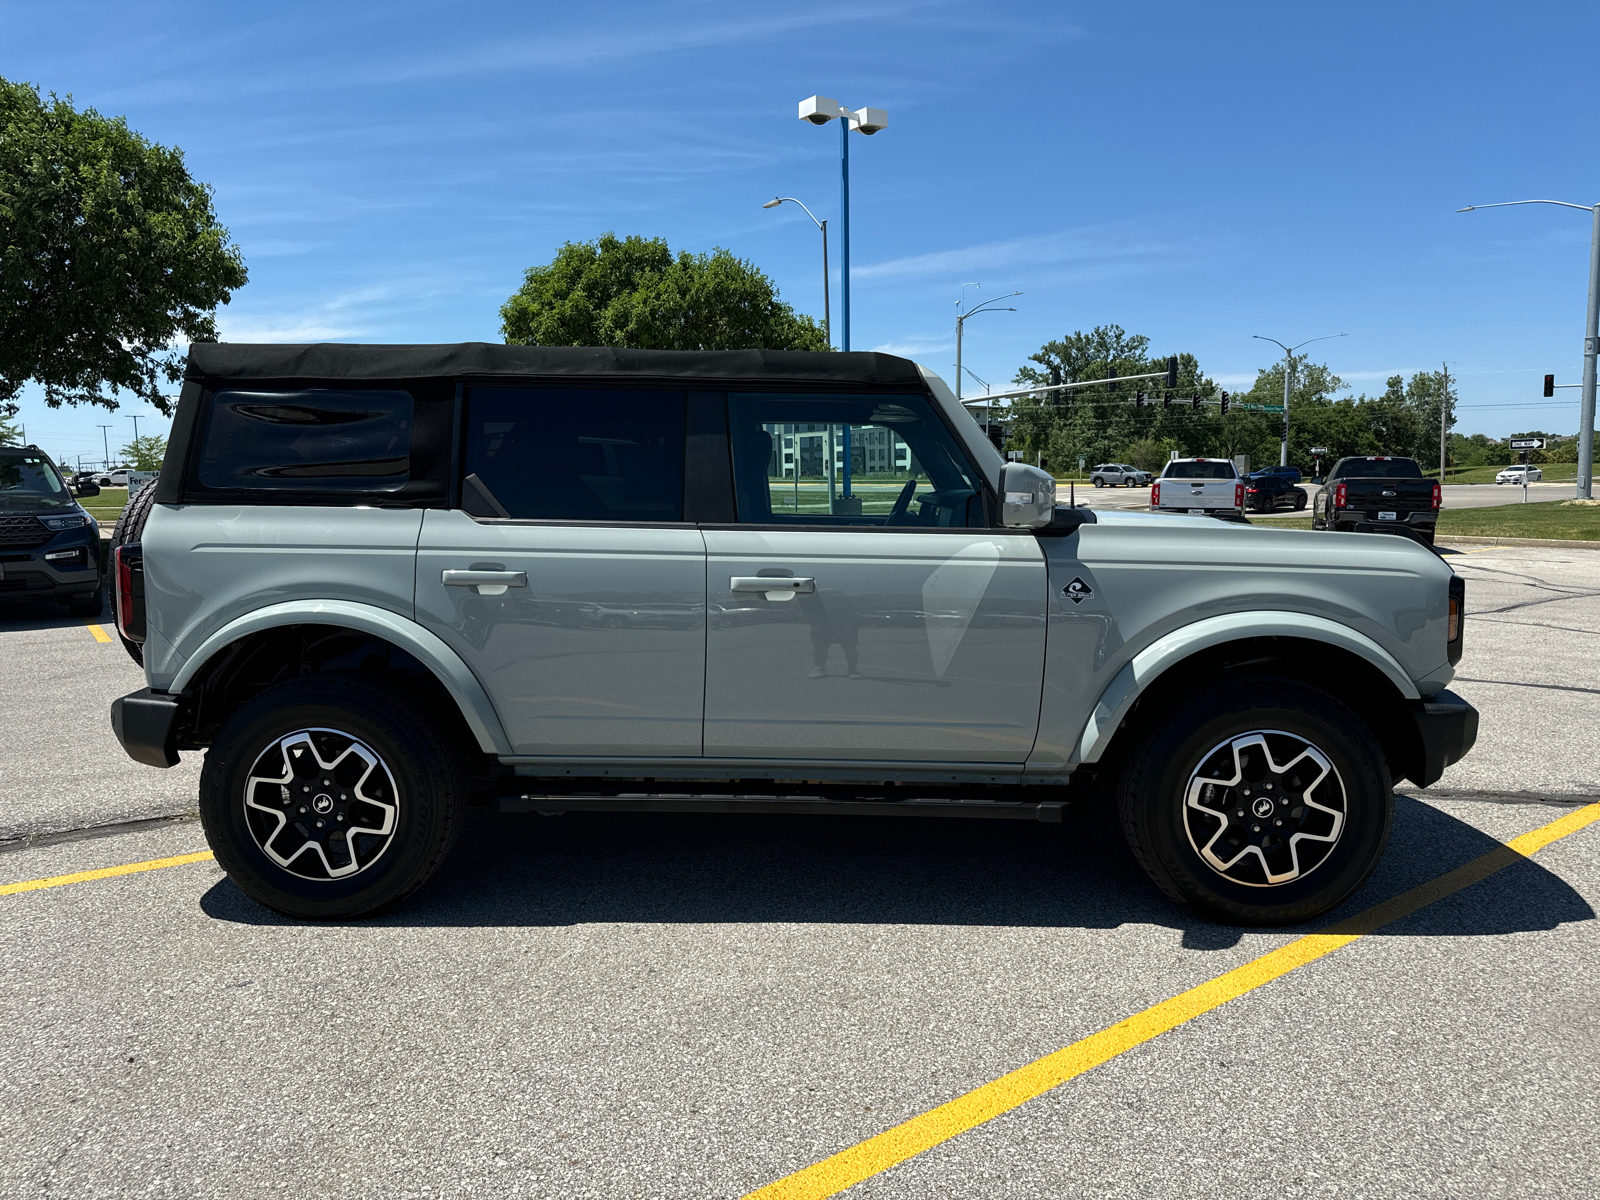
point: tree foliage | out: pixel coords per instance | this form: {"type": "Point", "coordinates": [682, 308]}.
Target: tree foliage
{"type": "Point", "coordinates": [10, 435]}
{"type": "Point", "coordinates": [109, 254]}
{"type": "Point", "coordinates": [633, 292]}
{"type": "Point", "coordinates": [145, 453]}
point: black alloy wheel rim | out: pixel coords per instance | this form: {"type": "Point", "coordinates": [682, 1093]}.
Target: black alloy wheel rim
{"type": "Point", "coordinates": [321, 804]}
{"type": "Point", "coordinates": [1264, 808]}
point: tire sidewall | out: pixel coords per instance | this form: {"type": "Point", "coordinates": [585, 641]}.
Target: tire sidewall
{"type": "Point", "coordinates": [1158, 810]}
{"type": "Point", "coordinates": [423, 817]}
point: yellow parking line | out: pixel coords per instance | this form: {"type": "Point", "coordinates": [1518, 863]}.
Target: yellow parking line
{"type": "Point", "coordinates": [55, 881]}
{"type": "Point", "coordinates": [894, 1146]}
{"type": "Point", "coordinates": [99, 632]}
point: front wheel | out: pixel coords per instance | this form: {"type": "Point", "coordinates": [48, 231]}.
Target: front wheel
{"type": "Point", "coordinates": [1259, 801]}
{"type": "Point", "coordinates": [330, 798]}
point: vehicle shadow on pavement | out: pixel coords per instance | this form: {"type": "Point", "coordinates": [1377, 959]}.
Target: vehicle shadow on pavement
{"type": "Point", "coordinates": [670, 868]}
{"type": "Point", "coordinates": [31, 616]}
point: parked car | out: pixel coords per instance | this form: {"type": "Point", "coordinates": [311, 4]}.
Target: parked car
{"type": "Point", "coordinates": [1119, 475]}
{"type": "Point", "coordinates": [49, 546]}
{"type": "Point", "coordinates": [1272, 493]}
{"type": "Point", "coordinates": [114, 478]}
{"type": "Point", "coordinates": [1248, 697]}
{"type": "Point", "coordinates": [1519, 474]}
{"type": "Point", "coordinates": [1199, 487]}
{"type": "Point", "coordinates": [1378, 494]}
{"type": "Point", "coordinates": [1291, 473]}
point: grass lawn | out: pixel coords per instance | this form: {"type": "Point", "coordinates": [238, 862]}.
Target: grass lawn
{"type": "Point", "coordinates": [1553, 473]}
{"type": "Point", "coordinates": [107, 506]}
{"type": "Point", "coordinates": [1547, 519]}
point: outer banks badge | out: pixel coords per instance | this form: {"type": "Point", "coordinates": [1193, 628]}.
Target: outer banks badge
{"type": "Point", "coordinates": [1078, 591]}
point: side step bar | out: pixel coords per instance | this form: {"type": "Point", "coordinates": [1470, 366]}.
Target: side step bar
{"type": "Point", "coordinates": [1004, 810]}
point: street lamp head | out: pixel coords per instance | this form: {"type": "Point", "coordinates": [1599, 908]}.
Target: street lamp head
{"type": "Point", "coordinates": [773, 203]}
{"type": "Point", "coordinates": [819, 110]}
{"type": "Point", "coordinates": [1468, 208]}
{"type": "Point", "coordinates": [869, 120]}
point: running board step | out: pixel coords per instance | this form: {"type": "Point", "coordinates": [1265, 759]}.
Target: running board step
{"type": "Point", "coordinates": [1003, 810]}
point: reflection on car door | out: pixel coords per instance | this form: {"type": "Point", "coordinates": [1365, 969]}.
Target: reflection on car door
{"type": "Point", "coordinates": [583, 610]}
{"type": "Point", "coordinates": [890, 625]}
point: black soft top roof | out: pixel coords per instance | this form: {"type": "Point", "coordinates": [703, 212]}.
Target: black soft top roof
{"type": "Point", "coordinates": [334, 361]}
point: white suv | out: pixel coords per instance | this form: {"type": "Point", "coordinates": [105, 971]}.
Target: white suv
{"type": "Point", "coordinates": [1201, 487]}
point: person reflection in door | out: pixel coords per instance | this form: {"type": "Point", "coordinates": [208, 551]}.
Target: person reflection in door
{"type": "Point", "coordinates": [834, 622]}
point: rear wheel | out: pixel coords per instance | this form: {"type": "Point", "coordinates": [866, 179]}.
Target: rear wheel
{"type": "Point", "coordinates": [330, 798]}
{"type": "Point", "coordinates": [1258, 801]}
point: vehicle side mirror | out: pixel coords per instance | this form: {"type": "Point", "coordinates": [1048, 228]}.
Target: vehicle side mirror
{"type": "Point", "coordinates": [86, 488]}
{"type": "Point", "coordinates": [1318, 480]}
{"type": "Point", "coordinates": [1027, 496]}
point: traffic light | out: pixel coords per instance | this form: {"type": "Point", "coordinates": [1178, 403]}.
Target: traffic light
{"type": "Point", "coordinates": [1111, 375]}
{"type": "Point", "coordinates": [1138, 400]}
{"type": "Point", "coordinates": [1166, 400]}
{"type": "Point", "coordinates": [1224, 403]}
{"type": "Point", "coordinates": [1549, 385]}
{"type": "Point", "coordinates": [1055, 381]}
{"type": "Point", "coordinates": [1195, 402]}
{"type": "Point", "coordinates": [1172, 371]}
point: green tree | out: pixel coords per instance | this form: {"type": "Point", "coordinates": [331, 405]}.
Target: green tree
{"type": "Point", "coordinates": [634, 293]}
{"type": "Point", "coordinates": [145, 453]}
{"type": "Point", "coordinates": [9, 434]}
{"type": "Point", "coordinates": [109, 254]}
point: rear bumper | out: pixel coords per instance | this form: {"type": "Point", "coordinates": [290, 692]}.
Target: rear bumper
{"type": "Point", "coordinates": [146, 724]}
{"type": "Point", "coordinates": [1447, 726]}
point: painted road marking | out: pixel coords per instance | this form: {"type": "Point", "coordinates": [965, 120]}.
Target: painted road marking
{"type": "Point", "coordinates": [895, 1146]}
{"type": "Point", "coordinates": [55, 881]}
{"type": "Point", "coordinates": [99, 632]}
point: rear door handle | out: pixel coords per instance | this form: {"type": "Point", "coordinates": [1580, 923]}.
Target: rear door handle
{"type": "Point", "coordinates": [488, 583]}
{"type": "Point", "coordinates": [774, 587]}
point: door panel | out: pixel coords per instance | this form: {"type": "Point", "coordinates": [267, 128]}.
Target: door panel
{"type": "Point", "coordinates": [915, 647]}
{"type": "Point", "coordinates": [601, 652]}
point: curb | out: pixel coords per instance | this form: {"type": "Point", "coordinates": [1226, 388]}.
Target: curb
{"type": "Point", "coordinates": [1560, 543]}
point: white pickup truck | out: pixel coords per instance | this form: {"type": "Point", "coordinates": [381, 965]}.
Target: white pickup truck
{"type": "Point", "coordinates": [1201, 487]}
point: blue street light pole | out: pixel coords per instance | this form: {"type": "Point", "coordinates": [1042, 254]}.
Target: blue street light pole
{"type": "Point", "coordinates": [819, 110]}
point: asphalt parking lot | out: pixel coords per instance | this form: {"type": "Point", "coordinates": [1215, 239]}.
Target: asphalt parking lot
{"type": "Point", "coordinates": [684, 1006]}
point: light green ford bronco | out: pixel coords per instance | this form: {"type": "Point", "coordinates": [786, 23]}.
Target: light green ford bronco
{"type": "Point", "coordinates": [378, 583]}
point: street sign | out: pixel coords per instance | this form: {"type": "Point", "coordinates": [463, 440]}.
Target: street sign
{"type": "Point", "coordinates": [1527, 443]}
{"type": "Point", "coordinates": [1319, 450]}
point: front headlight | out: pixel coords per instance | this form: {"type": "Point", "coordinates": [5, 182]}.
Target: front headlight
{"type": "Point", "coordinates": [57, 524]}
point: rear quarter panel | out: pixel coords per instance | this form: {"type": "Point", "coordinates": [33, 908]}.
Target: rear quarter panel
{"type": "Point", "coordinates": [1152, 575]}
{"type": "Point", "coordinates": [205, 565]}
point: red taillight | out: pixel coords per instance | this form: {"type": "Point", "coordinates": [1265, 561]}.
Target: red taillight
{"type": "Point", "coordinates": [1338, 495]}
{"type": "Point", "coordinates": [1238, 495]}
{"type": "Point", "coordinates": [1155, 493]}
{"type": "Point", "coordinates": [1438, 495]}
{"type": "Point", "coordinates": [1252, 491]}
{"type": "Point", "coordinates": [127, 565]}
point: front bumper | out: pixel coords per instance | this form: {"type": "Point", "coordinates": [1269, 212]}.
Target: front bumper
{"type": "Point", "coordinates": [1447, 726]}
{"type": "Point", "coordinates": [146, 725]}
{"type": "Point", "coordinates": [65, 567]}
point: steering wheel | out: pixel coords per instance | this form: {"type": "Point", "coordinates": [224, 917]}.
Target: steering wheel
{"type": "Point", "coordinates": [902, 502]}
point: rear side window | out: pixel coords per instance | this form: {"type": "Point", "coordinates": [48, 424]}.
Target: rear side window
{"type": "Point", "coordinates": [578, 454]}
{"type": "Point", "coordinates": [1199, 470]}
{"type": "Point", "coordinates": [314, 441]}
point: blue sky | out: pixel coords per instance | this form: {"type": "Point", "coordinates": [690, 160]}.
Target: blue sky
{"type": "Point", "coordinates": [1197, 173]}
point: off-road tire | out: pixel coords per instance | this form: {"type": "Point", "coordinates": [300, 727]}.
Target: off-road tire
{"type": "Point", "coordinates": [430, 794]}
{"type": "Point", "coordinates": [128, 529]}
{"type": "Point", "coordinates": [1175, 742]}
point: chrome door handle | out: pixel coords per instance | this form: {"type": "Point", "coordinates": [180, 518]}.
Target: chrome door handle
{"type": "Point", "coordinates": [774, 587]}
{"type": "Point", "coordinates": [488, 583]}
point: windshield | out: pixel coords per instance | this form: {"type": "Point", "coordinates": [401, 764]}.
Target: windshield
{"type": "Point", "coordinates": [1199, 470]}
{"type": "Point", "coordinates": [28, 483]}
{"type": "Point", "coordinates": [1378, 468]}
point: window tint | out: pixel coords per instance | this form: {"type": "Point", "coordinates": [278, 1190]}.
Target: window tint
{"type": "Point", "coordinates": [1367, 468]}
{"type": "Point", "coordinates": [849, 460]}
{"type": "Point", "coordinates": [28, 481]}
{"type": "Point", "coordinates": [578, 454]}
{"type": "Point", "coordinates": [313, 441]}
{"type": "Point", "coordinates": [1199, 470]}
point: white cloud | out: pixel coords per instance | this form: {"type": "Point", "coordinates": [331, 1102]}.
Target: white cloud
{"type": "Point", "coordinates": [1108, 247]}
{"type": "Point", "coordinates": [915, 346]}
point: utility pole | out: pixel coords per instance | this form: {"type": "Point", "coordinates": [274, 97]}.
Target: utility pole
{"type": "Point", "coordinates": [106, 443]}
{"type": "Point", "coordinates": [1444, 416]}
